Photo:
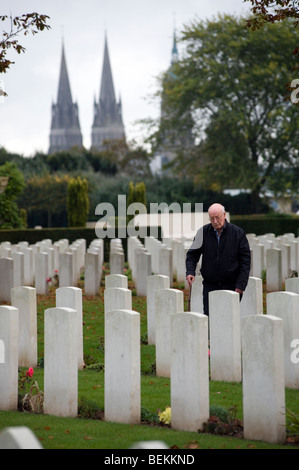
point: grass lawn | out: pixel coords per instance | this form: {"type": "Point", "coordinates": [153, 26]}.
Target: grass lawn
{"type": "Point", "coordinates": [82, 433]}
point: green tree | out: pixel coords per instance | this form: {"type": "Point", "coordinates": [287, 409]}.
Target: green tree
{"type": "Point", "coordinates": [67, 161]}
{"type": "Point", "coordinates": [46, 194]}
{"type": "Point", "coordinates": [136, 162]}
{"type": "Point", "coordinates": [77, 202]}
{"type": "Point", "coordinates": [11, 186]}
{"type": "Point", "coordinates": [136, 193]}
{"type": "Point", "coordinates": [235, 79]}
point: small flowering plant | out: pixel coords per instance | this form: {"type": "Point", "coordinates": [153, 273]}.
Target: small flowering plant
{"type": "Point", "coordinates": [30, 398]}
{"type": "Point", "coordinates": [165, 416]}
{"type": "Point", "coordinates": [54, 280]}
{"type": "Point", "coordinates": [25, 379]}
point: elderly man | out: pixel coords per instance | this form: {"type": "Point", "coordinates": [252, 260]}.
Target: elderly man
{"type": "Point", "coordinates": [225, 256]}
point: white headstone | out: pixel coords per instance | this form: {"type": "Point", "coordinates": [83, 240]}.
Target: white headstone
{"type": "Point", "coordinates": [143, 270]}
{"type": "Point", "coordinates": [61, 362]}
{"type": "Point", "coordinates": [285, 305]}
{"type": "Point", "coordinates": [189, 371]}
{"type": "Point", "coordinates": [225, 335]}
{"type": "Point", "coordinates": [263, 378]}
{"type": "Point", "coordinates": [18, 269]}
{"type": "Point", "coordinates": [252, 301]}
{"type": "Point", "coordinates": [146, 445]}
{"type": "Point", "coordinates": [273, 269]}
{"type": "Point", "coordinates": [41, 273]}
{"type": "Point", "coordinates": [19, 437]}
{"type": "Point", "coordinates": [92, 275]}
{"type": "Point", "coordinates": [168, 301]}
{"type": "Point", "coordinates": [9, 334]}
{"type": "Point", "coordinates": [196, 301]}
{"type": "Point", "coordinates": [116, 280]}
{"type": "Point", "coordinates": [71, 297]}
{"type": "Point", "coordinates": [24, 299]}
{"type": "Point", "coordinates": [66, 267]}
{"type": "Point", "coordinates": [292, 284]}
{"type": "Point", "coordinates": [117, 298]}
{"type": "Point", "coordinates": [154, 283]}
{"type": "Point", "coordinates": [258, 264]}
{"type": "Point", "coordinates": [165, 263]}
{"type": "Point", "coordinates": [6, 279]}
{"type": "Point", "coordinates": [122, 366]}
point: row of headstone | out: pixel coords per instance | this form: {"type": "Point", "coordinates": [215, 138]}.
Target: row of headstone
{"type": "Point", "coordinates": [262, 369]}
{"type": "Point", "coordinates": [122, 363]}
{"type": "Point", "coordinates": [152, 257]}
{"type": "Point", "coordinates": [63, 346]}
{"type": "Point", "coordinates": [62, 327]}
{"type": "Point", "coordinates": [140, 262]}
{"type": "Point", "coordinates": [36, 265]}
{"type": "Point", "coordinates": [168, 257]}
{"type": "Point", "coordinates": [252, 301]}
{"type": "Point", "coordinates": [279, 256]}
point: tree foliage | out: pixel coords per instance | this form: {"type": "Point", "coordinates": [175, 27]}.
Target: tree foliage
{"type": "Point", "coordinates": [77, 202]}
{"type": "Point", "coordinates": [136, 193]}
{"type": "Point", "coordinates": [28, 22]}
{"type": "Point", "coordinates": [10, 216]}
{"type": "Point", "coordinates": [269, 11]}
{"type": "Point", "coordinates": [233, 80]}
{"type": "Point", "coordinates": [45, 194]}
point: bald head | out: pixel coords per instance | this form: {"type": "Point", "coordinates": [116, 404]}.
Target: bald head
{"type": "Point", "coordinates": [216, 207]}
{"type": "Point", "coordinates": [217, 216]}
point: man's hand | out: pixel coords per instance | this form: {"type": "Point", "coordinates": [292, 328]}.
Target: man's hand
{"type": "Point", "coordinates": [239, 291]}
{"type": "Point", "coordinates": [190, 279]}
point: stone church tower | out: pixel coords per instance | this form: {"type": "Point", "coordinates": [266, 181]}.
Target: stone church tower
{"type": "Point", "coordinates": [108, 122]}
{"type": "Point", "coordinates": [173, 141]}
{"type": "Point", "coordinates": [65, 127]}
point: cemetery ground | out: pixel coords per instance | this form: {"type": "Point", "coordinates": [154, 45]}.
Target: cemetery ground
{"type": "Point", "coordinates": [90, 431]}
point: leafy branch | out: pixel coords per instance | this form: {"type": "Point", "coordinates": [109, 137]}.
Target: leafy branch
{"type": "Point", "coordinates": [28, 22]}
{"type": "Point", "coordinates": [269, 11]}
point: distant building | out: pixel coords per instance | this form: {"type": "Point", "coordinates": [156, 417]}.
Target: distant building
{"type": "Point", "coordinates": [65, 127]}
{"type": "Point", "coordinates": [108, 122]}
{"type": "Point", "coordinates": [172, 141]}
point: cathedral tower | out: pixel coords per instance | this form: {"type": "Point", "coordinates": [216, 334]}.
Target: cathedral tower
{"type": "Point", "coordinates": [65, 127]}
{"type": "Point", "coordinates": [108, 123]}
{"type": "Point", "coordinates": [180, 139]}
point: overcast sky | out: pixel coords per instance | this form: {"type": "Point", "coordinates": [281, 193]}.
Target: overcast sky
{"type": "Point", "coordinates": [139, 34]}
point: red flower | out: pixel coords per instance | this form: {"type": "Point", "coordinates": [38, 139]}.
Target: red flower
{"type": "Point", "coordinates": [29, 372]}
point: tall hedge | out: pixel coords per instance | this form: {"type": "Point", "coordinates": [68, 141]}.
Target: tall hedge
{"type": "Point", "coordinates": [77, 202]}
{"type": "Point", "coordinates": [260, 225]}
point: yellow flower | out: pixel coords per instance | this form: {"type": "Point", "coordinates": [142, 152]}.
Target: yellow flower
{"type": "Point", "coordinates": [165, 416]}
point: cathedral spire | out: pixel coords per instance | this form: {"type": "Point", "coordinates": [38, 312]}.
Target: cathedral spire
{"type": "Point", "coordinates": [108, 123]}
{"type": "Point", "coordinates": [174, 53]}
{"type": "Point", "coordinates": [65, 127]}
{"type": "Point", "coordinates": [64, 95]}
{"type": "Point", "coordinates": [107, 94]}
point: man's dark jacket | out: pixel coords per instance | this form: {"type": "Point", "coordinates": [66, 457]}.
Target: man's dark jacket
{"type": "Point", "coordinates": [225, 265]}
